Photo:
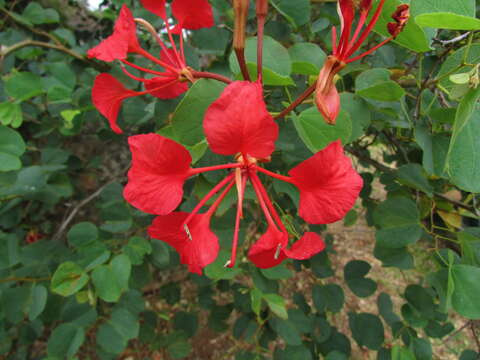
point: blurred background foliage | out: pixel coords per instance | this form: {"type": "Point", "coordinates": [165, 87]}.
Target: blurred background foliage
{"type": "Point", "coordinates": [79, 278]}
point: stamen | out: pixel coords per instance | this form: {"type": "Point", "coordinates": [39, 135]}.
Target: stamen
{"type": "Point", "coordinates": [187, 230]}
{"type": "Point", "coordinates": [277, 252]}
{"type": "Point", "coordinates": [153, 32]}
{"type": "Point", "coordinates": [227, 264]}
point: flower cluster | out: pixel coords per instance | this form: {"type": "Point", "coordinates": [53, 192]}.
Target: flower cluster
{"type": "Point", "coordinates": [327, 183]}
{"type": "Point", "coordinates": [108, 93]}
{"type": "Point", "coordinates": [327, 98]}
{"type": "Point", "coordinates": [237, 125]}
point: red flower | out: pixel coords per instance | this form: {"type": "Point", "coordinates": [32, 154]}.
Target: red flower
{"type": "Point", "coordinates": [326, 95]}
{"type": "Point", "coordinates": [327, 183]}
{"type": "Point", "coordinates": [166, 84]}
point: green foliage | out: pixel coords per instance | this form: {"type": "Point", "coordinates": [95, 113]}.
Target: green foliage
{"type": "Point", "coordinates": [79, 274]}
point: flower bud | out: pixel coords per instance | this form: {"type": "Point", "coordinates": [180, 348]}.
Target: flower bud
{"type": "Point", "coordinates": [327, 98]}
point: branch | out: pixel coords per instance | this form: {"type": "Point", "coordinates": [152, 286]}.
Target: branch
{"type": "Point", "coordinates": [381, 167]}
{"type": "Point", "coordinates": [59, 47]}
{"type": "Point", "coordinates": [297, 102]}
{"type": "Point", "coordinates": [209, 75]}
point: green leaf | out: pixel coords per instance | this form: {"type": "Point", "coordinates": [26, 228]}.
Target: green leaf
{"type": "Point", "coordinates": [414, 176]}
{"type": "Point", "coordinates": [394, 257]}
{"type": "Point", "coordinates": [12, 147]}
{"type": "Point", "coordinates": [38, 15]}
{"type": "Point", "coordinates": [136, 249]}
{"type": "Point", "coordinates": [114, 335]}
{"type": "Point", "coordinates": [187, 322]}
{"type": "Point", "coordinates": [11, 114]}
{"type": "Point", "coordinates": [218, 271]}
{"type": "Point", "coordinates": [112, 280]}
{"type": "Point", "coordinates": [354, 273]}
{"type": "Point", "coordinates": [466, 290]}
{"type": "Point", "coordinates": [277, 305]}
{"type": "Point", "coordinates": [445, 20]}
{"type": "Point", "coordinates": [367, 330]}
{"type": "Point", "coordinates": [68, 279]}
{"type": "Point", "coordinates": [65, 341]}
{"type": "Point", "coordinates": [286, 330]}
{"type": "Point", "coordinates": [401, 353]}
{"type": "Point", "coordinates": [82, 234]}
{"type": "Point", "coordinates": [277, 65]}
{"type": "Point", "coordinates": [398, 222]}
{"type": "Point", "coordinates": [463, 158]}
{"type": "Point", "coordinates": [422, 349]}
{"type": "Point", "coordinates": [279, 272]}
{"type": "Point", "coordinates": [328, 297]}
{"type": "Point", "coordinates": [317, 134]}
{"type": "Point", "coordinates": [179, 349]}
{"type": "Point", "coordinates": [452, 65]}
{"type": "Point", "coordinates": [460, 7]}
{"type": "Point", "coordinates": [412, 37]}
{"type": "Point", "coordinates": [307, 58]}
{"type": "Point", "coordinates": [359, 112]}
{"type": "Point", "coordinates": [187, 119]}
{"type": "Point", "coordinates": [375, 84]}
{"type": "Point", "coordinates": [385, 308]}
{"type": "Point", "coordinates": [297, 12]}
{"type": "Point", "coordinates": [23, 85]}
{"type": "Point", "coordinates": [38, 301]}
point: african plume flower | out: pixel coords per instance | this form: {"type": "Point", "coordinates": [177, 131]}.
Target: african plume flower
{"type": "Point", "coordinates": [327, 98]}
{"type": "Point", "coordinates": [108, 93]}
{"type": "Point", "coordinates": [327, 183]}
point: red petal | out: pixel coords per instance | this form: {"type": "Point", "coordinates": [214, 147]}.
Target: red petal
{"type": "Point", "coordinates": [197, 252]}
{"type": "Point", "coordinates": [265, 253]}
{"type": "Point", "coordinates": [308, 245]}
{"type": "Point", "coordinates": [166, 88]}
{"type": "Point", "coordinates": [107, 96]}
{"type": "Point", "coordinates": [346, 12]}
{"type": "Point", "coordinates": [160, 166]}
{"type": "Point", "coordinates": [238, 122]}
{"type": "Point", "coordinates": [155, 6]}
{"type": "Point", "coordinates": [193, 14]}
{"type": "Point", "coordinates": [121, 42]}
{"type": "Point", "coordinates": [328, 185]}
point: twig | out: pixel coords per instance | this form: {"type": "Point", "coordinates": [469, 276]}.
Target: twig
{"type": "Point", "coordinates": [457, 331]}
{"type": "Point", "coordinates": [452, 41]}
{"type": "Point", "coordinates": [475, 337]}
{"type": "Point", "coordinates": [387, 169]}
{"type": "Point", "coordinates": [81, 204]}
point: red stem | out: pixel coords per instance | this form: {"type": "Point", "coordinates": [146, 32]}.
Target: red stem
{"type": "Point", "coordinates": [272, 174]}
{"type": "Point", "coordinates": [256, 179]}
{"type": "Point", "coordinates": [207, 197]}
{"type": "Point", "coordinates": [368, 52]}
{"type": "Point", "coordinates": [195, 171]}
{"type": "Point", "coordinates": [367, 31]}
{"type": "Point", "coordinates": [220, 198]}
{"type": "Point", "coordinates": [166, 74]}
{"type": "Point", "coordinates": [158, 61]}
{"type": "Point", "coordinates": [158, 88]}
{"type": "Point", "coordinates": [209, 75]}
{"type": "Point", "coordinates": [297, 102]}
{"type": "Point", "coordinates": [334, 40]}
{"type": "Point", "coordinates": [243, 64]}
{"type": "Point", "coordinates": [260, 35]}
{"type": "Point", "coordinates": [238, 217]}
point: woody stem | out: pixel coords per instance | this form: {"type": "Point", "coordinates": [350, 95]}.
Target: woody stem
{"type": "Point", "coordinates": [209, 75]}
{"type": "Point", "coordinates": [262, 10]}
{"type": "Point", "coordinates": [243, 64]}
{"type": "Point", "coordinates": [297, 102]}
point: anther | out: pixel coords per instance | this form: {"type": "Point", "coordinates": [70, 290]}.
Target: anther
{"type": "Point", "coordinates": [277, 253]}
{"type": "Point", "coordinates": [227, 264]}
{"type": "Point", "coordinates": [187, 230]}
